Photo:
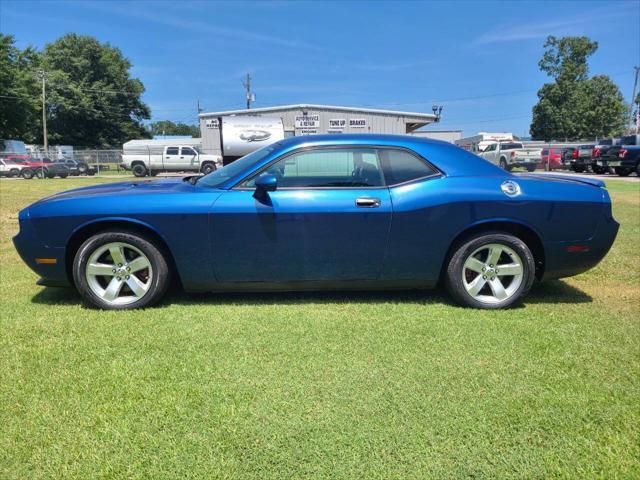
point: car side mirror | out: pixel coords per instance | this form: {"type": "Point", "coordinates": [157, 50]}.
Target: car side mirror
{"type": "Point", "coordinates": [266, 183]}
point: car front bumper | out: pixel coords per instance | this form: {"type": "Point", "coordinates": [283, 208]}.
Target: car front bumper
{"type": "Point", "coordinates": [47, 262]}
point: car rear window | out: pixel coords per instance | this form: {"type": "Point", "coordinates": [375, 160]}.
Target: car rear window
{"type": "Point", "coordinates": [400, 166]}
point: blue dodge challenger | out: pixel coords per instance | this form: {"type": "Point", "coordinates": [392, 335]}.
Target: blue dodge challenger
{"type": "Point", "coordinates": [323, 212]}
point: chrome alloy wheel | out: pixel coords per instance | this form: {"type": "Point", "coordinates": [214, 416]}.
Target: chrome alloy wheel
{"type": "Point", "coordinates": [119, 273]}
{"type": "Point", "coordinates": [492, 273]}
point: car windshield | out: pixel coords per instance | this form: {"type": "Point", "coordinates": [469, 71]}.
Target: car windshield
{"type": "Point", "coordinates": [220, 176]}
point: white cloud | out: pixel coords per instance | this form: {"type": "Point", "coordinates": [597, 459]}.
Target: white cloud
{"type": "Point", "coordinates": [527, 29]}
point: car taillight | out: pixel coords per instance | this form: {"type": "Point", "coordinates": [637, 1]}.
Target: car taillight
{"type": "Point", "coordinates": [622, 153]}
{"type": "Point", "coordinates": [513, 154]}
{"type": "Point", "coordinates": [596, 152]}
{"type": "Point", "coordinates": [575, 154]}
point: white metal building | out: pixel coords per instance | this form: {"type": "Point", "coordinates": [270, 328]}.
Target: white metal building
{"type": "Point", "coordinates": [307, 119]}
{"type": "Point", "coordinates": [446, 135]}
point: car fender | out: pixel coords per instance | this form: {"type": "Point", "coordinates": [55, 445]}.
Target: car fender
{"type": "Point", "coordinates": [490, 220]}
{"type": "Point", "coordinates": [119, 219]}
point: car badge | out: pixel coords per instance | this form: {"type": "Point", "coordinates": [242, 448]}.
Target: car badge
{"type": "Point", "coordinates": [510, 188]}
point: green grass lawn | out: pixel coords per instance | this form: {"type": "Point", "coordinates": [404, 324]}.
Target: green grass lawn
{"type": "Point", "coordinates": [331, 385]}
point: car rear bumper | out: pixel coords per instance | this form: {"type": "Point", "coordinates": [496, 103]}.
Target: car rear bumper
{"type": "Point", "coordinates": [565, 259]}
{"type": "Point", "coordinates": [523, 163]}
{"type": "Point", "coordinates": [47, 262]}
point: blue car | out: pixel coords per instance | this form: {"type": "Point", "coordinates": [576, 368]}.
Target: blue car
{"type": "Point", "coordinates": [323, 212]}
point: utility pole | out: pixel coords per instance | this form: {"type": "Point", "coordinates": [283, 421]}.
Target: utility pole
{"type": "Point", "coordinates": [42, 75]}
{"type": "Point", "coordinates": [199, 112]}
{"type": "Point", "coordinates": [251, 97]}
{"type": "Point", "coordinates": [633, 101]}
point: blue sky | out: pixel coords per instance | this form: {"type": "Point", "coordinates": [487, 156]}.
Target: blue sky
{"type": "Point", "coordinates": [477, 59]}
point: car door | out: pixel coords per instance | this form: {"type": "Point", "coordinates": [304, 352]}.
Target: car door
{"type": "Point", "coordinates": [328, 220]}
{"type": "Point", "coordinates": [490, 153]}
{"type": "Point", "coordinates": [188, 158]}
{"type": "Point", "coordinates": [171, 159]}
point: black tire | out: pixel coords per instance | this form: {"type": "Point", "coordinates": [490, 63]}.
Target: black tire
{"type": "Point", "coordinates": [139, 170]}
{"type": "Point", "coordinates": [503, 164]}
{"type": "Point", "coordinates": [598, 170]}
{"type": "Point", "coordinates": [579, 169]}
{"type": "Point", "coordinates": [531, 169]}
{"type": "Point", "coordinates": [160, 279]}
{"type": "Point", "coordinates": [26, 173]}
{"type": "Point", "coordinates": [623, 172]}
{"type": "Point", "coordinates": [91, 172]}
{"type": "Point", "coordinates": [14, 172]}
{"type": "Point", "coordinates": [63, 175]}
{"type": "Point", "coordinates": [207, 168]}
{"type": "Point", "coordinates": [454, 270]}
{"type": "Point", "coordinates": [49, 174]}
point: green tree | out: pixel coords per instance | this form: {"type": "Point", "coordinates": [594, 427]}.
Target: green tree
{"type": "Point", "coordinates": [20, 111]}
{"type": "Point", "coordinates": [92, 99]}
{"type": "Point", "coordinates": [575, 106]}
{"type": "Point", "coordinates": [167, 127]}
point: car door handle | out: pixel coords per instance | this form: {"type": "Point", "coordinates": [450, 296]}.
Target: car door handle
{"type": "Point", "coordinates": [367, 202]}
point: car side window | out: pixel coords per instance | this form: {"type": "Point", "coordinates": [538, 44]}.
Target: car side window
{"type": "Point", "coordinates": [400, 166]}
{"type": "Point", "coordinates": [172, 151]}
{"type": "Point", "coordinates": [188, 151]}
{"type": "Point", "coordinates": [326, 168]}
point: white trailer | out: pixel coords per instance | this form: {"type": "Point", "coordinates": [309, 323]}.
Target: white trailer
{"type": "Point", "coordinates": [478, 143]}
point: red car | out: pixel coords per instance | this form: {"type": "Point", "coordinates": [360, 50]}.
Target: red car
{"type": "Point", "coordinates": [551, 159]}
{"type": "Point", "coordinates": [44, 167]}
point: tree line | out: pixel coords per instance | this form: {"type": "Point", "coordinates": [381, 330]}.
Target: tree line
{"type": "Point", "coordinates": [91, 97]}
{"type": "Point", "coordinates": [92, 100]}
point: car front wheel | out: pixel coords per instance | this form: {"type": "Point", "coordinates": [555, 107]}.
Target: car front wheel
{"type": "Point", "coordinates": [26, 173]}
{"type": "Point", "coordinates": [490, 270]}
{"type": "Point", "coordinates": [118, 270]}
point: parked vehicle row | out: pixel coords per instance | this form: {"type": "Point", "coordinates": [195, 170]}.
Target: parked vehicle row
{"type": "Point", "coordinates": [609, 155]}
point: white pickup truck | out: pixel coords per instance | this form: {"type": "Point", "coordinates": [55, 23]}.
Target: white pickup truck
{"type": "Point", "coordinates": [512, 154]}
{"type": "Point", "coordinates": [149, 159]}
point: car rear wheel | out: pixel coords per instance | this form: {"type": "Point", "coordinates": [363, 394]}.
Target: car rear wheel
{"type": "Point", "coordinates": [118, 270]}
{"type": "Point", "coordinates": [490, 270]}
{"type": "Point", "coordinates": [598, 170]}
{"type": "Point", "coordinates": [139, 170]}
{"type": "Point", "coordinates": [503, 164]}
{"type": "Point", "coordinates": [207, 168]}
{"type": "Point", "coordinates": [26, 173]}
{"type": "Point", "coordinates": [531, 169]}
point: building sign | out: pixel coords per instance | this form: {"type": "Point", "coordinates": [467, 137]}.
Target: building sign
{"type": "Point", "coordinates": [337, 124]}
{"type": "Point", "coordinates": [358, 122]}
{"type": "Point", "coordinates": [307, 121]}
{"type": "Point", "coordinates": [212, 123]}
{"type": "Point", "coordinates": [309, 131]}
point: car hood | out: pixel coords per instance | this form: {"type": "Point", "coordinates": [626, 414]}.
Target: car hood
{"type": "Point", "coordinates": [169, 185]}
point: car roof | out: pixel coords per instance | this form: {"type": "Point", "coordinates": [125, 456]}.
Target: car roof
{"type": "Point", "coordinates": [447, 157]}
